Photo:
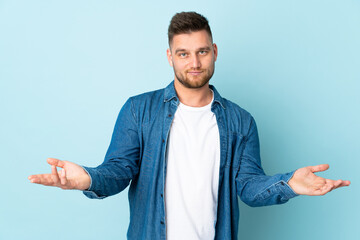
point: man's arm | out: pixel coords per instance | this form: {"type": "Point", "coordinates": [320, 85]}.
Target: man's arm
{"type": "Point", "coordinates": [257, 189]}
{"type": "Point", "coordinates": [121, 163]}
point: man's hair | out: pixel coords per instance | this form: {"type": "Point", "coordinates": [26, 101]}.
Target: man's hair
{"type": "Point", "coordinates": [187, 22]}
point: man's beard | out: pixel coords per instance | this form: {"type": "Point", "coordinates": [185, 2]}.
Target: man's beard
{"type": "Point", "coordinates": [198, 83]}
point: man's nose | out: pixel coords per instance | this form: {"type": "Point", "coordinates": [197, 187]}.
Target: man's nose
{"type": "Point", "coordinates": [195, 61]}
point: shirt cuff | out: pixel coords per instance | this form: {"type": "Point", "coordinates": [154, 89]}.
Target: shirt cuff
{"type": "Point", "coordinates": [285, 188]}
{"type": "Point", "coordinates": [90, 192]}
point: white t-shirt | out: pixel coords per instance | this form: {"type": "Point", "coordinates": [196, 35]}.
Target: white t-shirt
{"type": "Point", "coordinates": [192, 177]}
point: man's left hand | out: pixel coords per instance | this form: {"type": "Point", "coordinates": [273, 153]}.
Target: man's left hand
{"type": "Point", "coordinates": [305, 182]}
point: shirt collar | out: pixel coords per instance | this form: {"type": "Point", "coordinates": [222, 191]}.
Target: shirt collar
{"type": "Point", "coordinates": [170, 94]}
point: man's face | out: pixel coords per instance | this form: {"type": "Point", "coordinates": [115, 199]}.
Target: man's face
{"type": "Point", "coordinates": [193, 56]}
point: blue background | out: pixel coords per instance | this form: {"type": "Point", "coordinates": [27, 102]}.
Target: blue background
{"type": "Point", "coordinates": [67, 67]}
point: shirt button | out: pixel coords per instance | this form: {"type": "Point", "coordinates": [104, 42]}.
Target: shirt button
{"type": "Point", "coordinates": [163, 140]}
{"type": "Point", "coordinates": [282, 183]}
{"type": "Point", "coordinates": [169, 115]}
{"type": "Point", "coordinates": [161, 195]}
{"type": "Point", "coordinates": [162, 222]}
{"type": "Point", "coordinates": [268, 190]}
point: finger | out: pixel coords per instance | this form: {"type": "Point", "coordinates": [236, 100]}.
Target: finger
{"type": "Point", "coordinates": [55, 174]}
{"type": "Point", "coordinates": [63, 179]}
{"type": "Point", "coordinates": [319, 168]}
{"type": "Point", "coordinates": [327, 188]}
{"type": "Point", "coordinates": [33, 178]}
{"type": "Point", "coordinates": [346, 183]}
{"type": "Point", "coordinates": [44, 179]}
{"type": "Point", "coordinates": [337, 184]}
{"type": "Point", "coordinates": [342, 183]}
{"type": "Point", "coordinates": [332, 184]}
{"type": "Point", "coordinates": [56, 162]}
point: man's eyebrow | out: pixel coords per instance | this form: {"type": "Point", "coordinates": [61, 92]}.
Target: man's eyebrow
{"type": "Point", "coordinates": [179, 50]}
{"type": "Point", "coordinates": [198, 50]}
{"type": "Point", "coordinates": [204, 49]}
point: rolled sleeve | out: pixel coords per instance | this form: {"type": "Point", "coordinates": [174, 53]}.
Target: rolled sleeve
{"type": "Point", "coordinates": [278, 192]}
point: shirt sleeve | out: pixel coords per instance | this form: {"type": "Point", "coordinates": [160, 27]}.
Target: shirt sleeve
{"type": "Point", "coordinates": [253, 186]}
{"type": "Point", "coordinates": [121, 163]}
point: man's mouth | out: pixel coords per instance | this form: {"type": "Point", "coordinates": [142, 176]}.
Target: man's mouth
{"type": "Point", "coordinates": [194, 73]}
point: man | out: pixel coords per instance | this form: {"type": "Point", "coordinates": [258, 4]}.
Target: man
{"type": "Point", "coordinates": [187, 151]}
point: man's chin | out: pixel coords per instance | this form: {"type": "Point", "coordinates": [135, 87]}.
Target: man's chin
{"type": "Point", "coordinates": [194, 84]}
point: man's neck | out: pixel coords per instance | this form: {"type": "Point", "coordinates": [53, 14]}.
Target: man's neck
{"type": "Point", "coordinates": [193, 97]}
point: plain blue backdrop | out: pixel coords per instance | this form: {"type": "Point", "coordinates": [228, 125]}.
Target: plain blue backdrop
{"type": "Point", "coordinates": [67, 67]}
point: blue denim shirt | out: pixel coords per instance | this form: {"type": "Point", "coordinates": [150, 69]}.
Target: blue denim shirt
{"type": "Point", "coordinates": [137, 154]}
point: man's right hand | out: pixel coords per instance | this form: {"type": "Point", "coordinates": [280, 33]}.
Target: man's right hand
{"type": "Point", "coordinates": [71, 176]}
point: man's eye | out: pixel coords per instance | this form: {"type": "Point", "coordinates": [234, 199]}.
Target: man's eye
{"type": "Point", "coordinates": [183, 54]}
{"type": "Point", "coordinates": [203, 52]}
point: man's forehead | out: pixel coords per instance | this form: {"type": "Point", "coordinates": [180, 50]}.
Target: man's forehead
{"type": "Point", "coordinates": [191, 40]}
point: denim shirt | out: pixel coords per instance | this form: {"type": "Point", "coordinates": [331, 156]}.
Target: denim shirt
{"type": "Point", "coordinates": [137, 154]}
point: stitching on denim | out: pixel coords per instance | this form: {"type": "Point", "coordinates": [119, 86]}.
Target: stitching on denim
{"type": "Point", "coordinates": [250, 127]}
{"type": "Point", "coordinates": [282, 190]}
{"type": "Point", "coordinates": [260, 193]}
{"type": "Point", "coordinates": [132, 111]}
{"type": "Point", "coordinates": [242, 141]}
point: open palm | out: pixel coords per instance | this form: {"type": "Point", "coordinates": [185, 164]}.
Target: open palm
{"type": "Point", "coordinates": [71, 176]}
{"type": "Point", "coordinates": [305, 182]}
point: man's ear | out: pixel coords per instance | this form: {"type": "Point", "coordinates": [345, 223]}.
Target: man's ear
{"type": "Point", "coordinates": [215, 51]}
{"type": "Point", "coordinates": [169, 56]}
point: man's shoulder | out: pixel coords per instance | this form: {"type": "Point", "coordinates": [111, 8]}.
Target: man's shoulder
{"type": "Point", "coordinates": [231, 108]}
{"type": "Point", "coordinates": [239, 120]}
{"type": "Point", "coordinates": [149, 96]}
{"type": "Point", "coordinates": [234, 108]}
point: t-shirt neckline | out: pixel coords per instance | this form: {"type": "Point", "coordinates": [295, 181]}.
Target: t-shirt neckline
{"type": "Point", "coordinates": [206, 107]}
